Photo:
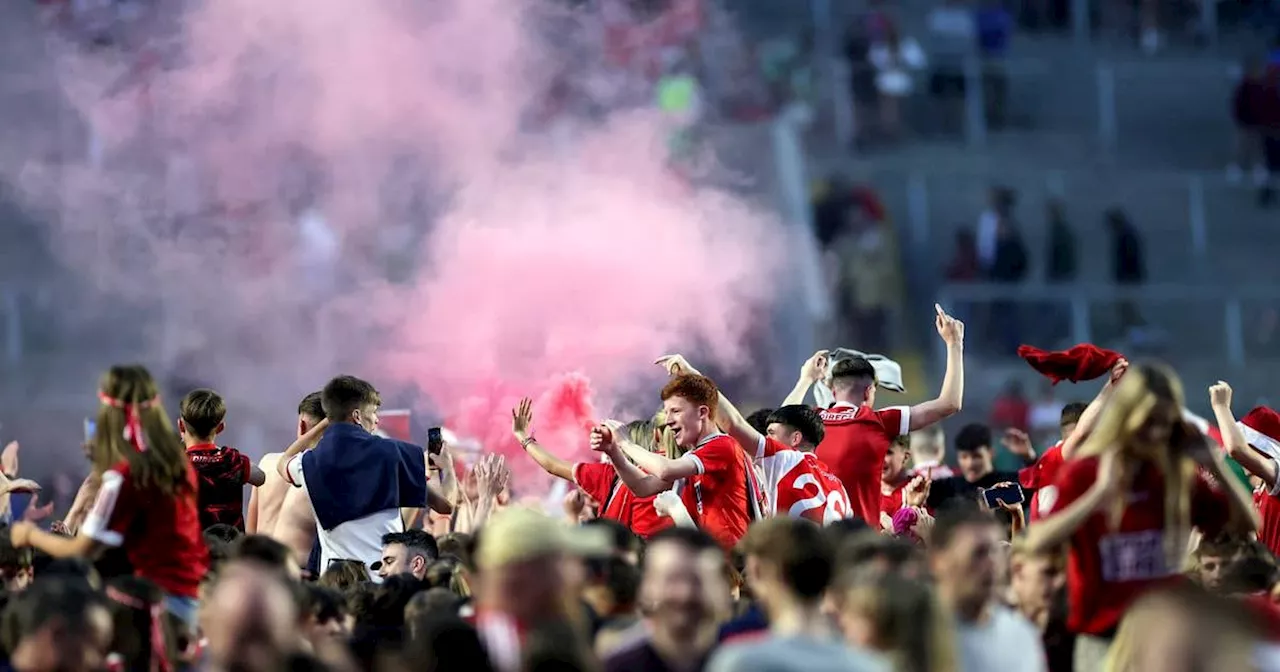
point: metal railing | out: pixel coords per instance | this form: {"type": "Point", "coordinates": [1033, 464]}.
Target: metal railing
{"type": "Point", "coordinates": [1203, 319]}
{"type": "Point", "coordinates": [1113, 103]}
{"type": "Point", "coordinates": [1196, 224]}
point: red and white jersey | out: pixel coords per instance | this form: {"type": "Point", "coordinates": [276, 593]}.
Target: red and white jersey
{"type": "Point", "coordinates": [800, 484]}
{"type": "Point", "coordinates": [857, 440]}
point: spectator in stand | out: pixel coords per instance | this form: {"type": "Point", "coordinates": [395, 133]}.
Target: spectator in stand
{"type": "Point", "coordinates": [830, 201]}
{"type": "Point", "coordinates": [995, 32]}
{"type": "Point", "coordinates": [1249, 106]}
{"type": "Point", "coordinates": [1009, 266]}
{"type": "Point", "coordinates": [1128, 264]}
{"type": "Point", "coordinates": [1062, 266]}
{"type": "Point", "coordinates": [952, 42]}
{"type": "Point", "coordinates": [1000, 203]}
{"type": "Point", "coordinates": [965, 264]}
{"type": "Point", "coordinates": [963, 556]}
{"type": "Point", "coordinates": [895, 59]}
{"type": "Point", "coordinates": [871, 284]}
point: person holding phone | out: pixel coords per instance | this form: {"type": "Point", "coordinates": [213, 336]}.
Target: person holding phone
{"type": "Point", "coordinates": [1127, 504]}
{"type": "Point", "coordinates": [978, 474]}
{"type": "Point", "coordinates": [357, 482]}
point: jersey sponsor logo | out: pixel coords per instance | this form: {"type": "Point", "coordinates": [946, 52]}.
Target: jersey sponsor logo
{"type": "Point", "coordinates": [1047, 497]}
{"type": "Point", "coordinates": [830, 416]}
{"type": "Point", "coordinates": [1133, 556]}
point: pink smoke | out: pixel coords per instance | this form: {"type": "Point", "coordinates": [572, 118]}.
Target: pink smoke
{"type": "Point", "coordinates": [553, 265]}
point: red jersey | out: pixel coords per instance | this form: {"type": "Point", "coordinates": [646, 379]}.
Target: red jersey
{"type": "Point", "coordinates": [1108, 569]}
{"type": "Point", "coordinates": [1268, 505]}
{"type": "Point", "coordinates": [890, 503]}
{"type": "Point", "coordinates": [721, 497]}
{"type": "Point", "coordinates": [223, 474]}
{"type": "Point", "coordinates": [617, 501]}
{"type": "Point", "coordinates": [1041, 477]}
{"type": "Point", "coordinates": [800, 485]}
{"type": "Point", "coordinates": [160, 533]}
{"type": "Point", "coordinates": [854, 448]}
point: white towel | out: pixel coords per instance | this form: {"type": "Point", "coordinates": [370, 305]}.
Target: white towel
{"type": "Point", "coordinates": [888, 374]}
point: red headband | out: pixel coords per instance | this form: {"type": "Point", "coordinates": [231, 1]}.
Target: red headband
{"type": "Point", "coordinates": [132, 418]}
{"type": "Point", "coordinates": [159, 658]}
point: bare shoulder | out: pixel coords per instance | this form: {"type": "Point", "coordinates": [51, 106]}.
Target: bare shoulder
{"type": "Point", "coordinates": [269, 461]}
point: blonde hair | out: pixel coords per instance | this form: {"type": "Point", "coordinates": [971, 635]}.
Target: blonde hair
{"type": "Point", "coordinates": [163, 465]}
{"type": "Point", "coordinates": [654, 436]}
{"type": "Point", "coordinates": [911, 627]}
{"type": "Point", "coordinates": [1224, 632]}
{"type": "Point", "coordinates": [1137, 395]}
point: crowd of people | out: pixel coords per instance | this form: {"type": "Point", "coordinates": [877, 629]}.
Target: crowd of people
{"type": "Point", "coordinates": [831, 535]}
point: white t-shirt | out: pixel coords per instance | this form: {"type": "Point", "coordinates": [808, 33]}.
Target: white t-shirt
{"type": "Point", "coordinates": [359, 539]}
{"type": "Point", "coordinates": [1006, 641]}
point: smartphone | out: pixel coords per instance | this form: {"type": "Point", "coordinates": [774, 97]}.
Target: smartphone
{"type": "Point", "coordinates": [435, 442]}
{"type": "Point", "coordinates": [90, 428]}
{"type": "Point", "coordinates": [1010, 494]}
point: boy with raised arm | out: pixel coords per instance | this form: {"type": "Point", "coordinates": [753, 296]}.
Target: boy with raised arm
{"type": "Point", "coordinates": [718, 488]}
{"type": "Point", "coordinates": [858, 435]}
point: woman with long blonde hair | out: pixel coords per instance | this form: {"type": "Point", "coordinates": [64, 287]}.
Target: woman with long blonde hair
{"type": "Point", "coordinates": [1126, 505]}
{"type": "Point", "coordinates": [1184, 629]}
{"type": "Point", "coordinates": [146, 501]}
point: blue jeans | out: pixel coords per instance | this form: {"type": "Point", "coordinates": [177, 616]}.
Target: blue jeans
{"type": "Point", "coordinates": [185, 608]}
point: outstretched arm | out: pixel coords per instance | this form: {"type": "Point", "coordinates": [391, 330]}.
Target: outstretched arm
{"type": "Point", "coordinates": [660, 466]}
{"type": "Point", "coordinates": [1233, 439]}
{"type": "Point", "coordinates": [296, 448]}
{"type": "Point", "coordinates": [728, 417]}
{"type": "Point", "coordinates": [951, 397]}
{"type": "Point", "coordinates": [640, 483]}
{"type": "Point", "coordinates": [521, 421]}
{"type": "Point", "coordinates": [811, 372]}
{"type": "Point", "coordinates": [1093, 411]}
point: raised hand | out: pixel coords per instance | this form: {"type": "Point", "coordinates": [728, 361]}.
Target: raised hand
{"type": "Point", "coordinates": [574, 503]}
{"type": "Point", "coordinates": [1017, 442]}
{"type": "Point", "coordinates": [1220, 395]}
{"type": "Point", "coordinates": [676, 365]}
{"type": "Point", "coordinates": [1117, 371]}
{"type": "Point", "coordinates": [815, 368]}
{"type": "Point", "coordinates": [602, 438]}
{"type": "Point", "coordinates": [521, 419]}
{"type": "Point", "coordinates": [949, 328]}
{"type": "Point", "coordinates": [22, 485]}
{"type": "Point", "coordinates": [34, 513]}
{"type": "Point", "coordinates": [666, 502]}
{"type": "Point", "coordinates": [917, 491]}
{"type": "Point", "coordinates": [9, 459]}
